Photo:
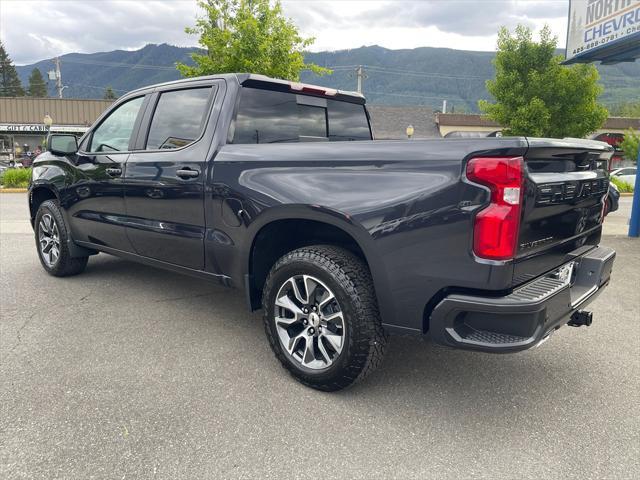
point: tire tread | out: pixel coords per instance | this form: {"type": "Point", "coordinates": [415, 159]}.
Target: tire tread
{"type": "Point", "coordinates": [368, 337]}
{"type": "Point", "coordinates": [67, 265]}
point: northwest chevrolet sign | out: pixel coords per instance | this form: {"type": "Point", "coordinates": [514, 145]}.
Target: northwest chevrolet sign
{"type": "Point", "coordinates": [602, 24]}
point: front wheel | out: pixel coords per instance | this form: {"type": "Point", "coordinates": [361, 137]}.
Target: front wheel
{"type": "Point", "coordinates": [321, 317]}
{"type": "Point", "coordinates": [52, 242]}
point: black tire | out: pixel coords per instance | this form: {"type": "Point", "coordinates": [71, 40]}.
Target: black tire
{"type": "Point", "coordinates": [349, 279]}
{"type": "Point", "coordinates": [64, 265]}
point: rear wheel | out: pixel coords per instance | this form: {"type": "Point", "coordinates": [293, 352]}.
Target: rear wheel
{"type": "Point", "coordinates": [52, 237]}
{"type": "Point", "coordinates": [321, 317]}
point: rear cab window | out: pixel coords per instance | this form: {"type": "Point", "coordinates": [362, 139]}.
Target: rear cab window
{"type": "Point", "coordinates": [266, 116]}
{"type": "Point", "coordinates": [178, 119]}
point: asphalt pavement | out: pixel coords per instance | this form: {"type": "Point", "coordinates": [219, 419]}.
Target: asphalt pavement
{"type": "Point", "coordinates": [127, 371]}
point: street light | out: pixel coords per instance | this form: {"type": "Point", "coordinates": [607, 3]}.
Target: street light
{"type": "Point", "coordinates": [48, 121]}
{"type": "Point", "coordinates": [410, 131]}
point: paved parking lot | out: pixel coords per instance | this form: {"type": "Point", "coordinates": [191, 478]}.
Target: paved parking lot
{"type": "Point", "coordinates": [131, 372]}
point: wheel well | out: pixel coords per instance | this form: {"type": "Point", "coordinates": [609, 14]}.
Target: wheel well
{"type": "Point", "coordinates": [39, 195]}
{"type": "Point", "coordinates": [282, 236]}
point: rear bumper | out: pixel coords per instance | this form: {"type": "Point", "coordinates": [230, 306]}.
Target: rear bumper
{"type": "Point", "coordinates": [527, 316]}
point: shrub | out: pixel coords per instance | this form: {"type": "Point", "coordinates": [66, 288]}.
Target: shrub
{"type": "Point", "coordinates": [623, 186]}
{"type": "Point", "coordinates": [16, 178]}
{"type": "Point", "coordinates": [631, 144]}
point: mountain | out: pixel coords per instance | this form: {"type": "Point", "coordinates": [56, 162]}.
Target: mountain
{"type": "Point", "coordinates": [88, 74]}
{"type": "Point", "coordinates": [419, 76]}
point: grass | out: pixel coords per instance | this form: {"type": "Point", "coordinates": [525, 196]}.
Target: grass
{"type": "Point", "coordinates": [16, 178]}
{"type": "Point", "coordinates": [623, 187]}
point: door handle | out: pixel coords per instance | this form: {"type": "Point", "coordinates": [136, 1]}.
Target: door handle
{"type": "Point", "coordinates": [114, 172]}
{"type": "Point", "coordinates": [187, 173]}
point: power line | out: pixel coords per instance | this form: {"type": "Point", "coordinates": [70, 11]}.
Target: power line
{"type": "Point", "coordinates": [414, 72]}
{"type": "Point", "coordinates": [416, 96]}
{"type": "Point", "coordinates": [97, 87]}
{"type": "Point", "coordinates": [386, 70]}
{"type": "Point", "coordinates": [121, 64]}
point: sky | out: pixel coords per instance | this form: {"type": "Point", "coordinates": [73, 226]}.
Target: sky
{"type": "Point", "coordinates": [33, 30]}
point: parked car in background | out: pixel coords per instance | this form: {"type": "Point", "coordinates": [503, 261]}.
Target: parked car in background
{"type": "Point", "coordinates": [626, 174]}
{"type": "Point", "coordinates": [613, 199]}
{"type": "Point", "coordinates": [613, 139]}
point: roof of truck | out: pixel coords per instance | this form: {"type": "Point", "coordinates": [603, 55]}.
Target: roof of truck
{"type": "Point", "coordinates": [262, 81]}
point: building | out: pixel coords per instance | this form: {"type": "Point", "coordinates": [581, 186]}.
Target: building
{"type": "Point", "coordinates": [22, 121]}
{"type": "Point", "coordinates": [448, 123]}
{"type": "Point", "coordinates": [23, 128]}
{"type": "Point", "coordinates": [392, 122]}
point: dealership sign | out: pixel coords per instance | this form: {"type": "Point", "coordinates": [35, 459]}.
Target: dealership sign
{"type": "Point", "coordinates": [601, 27]}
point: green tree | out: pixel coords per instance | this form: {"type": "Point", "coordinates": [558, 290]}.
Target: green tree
{"type": "Point", "coordinates": [536, 95]}
{"type": "Point", "coordinates": [10, 85]}
{"type": "Point", "coordinates": [631, 144]}
{"type": "Point", "coordinates": [628, 109]}
{"type": "Point", "coordinates": [109, 94]}
{"type": "Point", "coordinates": [248, 36]}
{"type": "Point", "coordinates": [37, 86]}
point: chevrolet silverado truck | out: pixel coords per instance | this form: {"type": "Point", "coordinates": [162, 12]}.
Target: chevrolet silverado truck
{"type": "Point", "coordinates": [278, 188]}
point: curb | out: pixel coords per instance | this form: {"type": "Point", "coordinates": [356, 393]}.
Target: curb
{"type": "Point", "coordinates": [13, 190]}
{"type": "Point", "coordinates": [626, 194]}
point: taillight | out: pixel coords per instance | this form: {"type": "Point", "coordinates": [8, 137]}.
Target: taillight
{"type": "Point", "coordinates": [495, 234]}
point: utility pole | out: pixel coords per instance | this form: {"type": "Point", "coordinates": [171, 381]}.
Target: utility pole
{"type": "Point", "coordinates": [59, 86]}
{"type": "Point", "coordinates": [360, 76]}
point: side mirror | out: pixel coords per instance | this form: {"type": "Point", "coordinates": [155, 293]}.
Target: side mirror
{"type": "Point", "coordinates": [62, 144]}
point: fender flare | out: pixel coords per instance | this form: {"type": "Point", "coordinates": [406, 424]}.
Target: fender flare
{"type": "Point", "coordinates": [336, 219]}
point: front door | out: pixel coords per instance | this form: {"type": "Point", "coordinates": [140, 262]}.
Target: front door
{"type": "Point", "coordinates": [96, 198]}
{"type": "Point", "coordinates": [165, 178]}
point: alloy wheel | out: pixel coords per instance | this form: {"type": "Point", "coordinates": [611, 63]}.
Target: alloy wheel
{"type": "Point", "coordinates": [49, 240]}
{"type": "Point", "coordinates": [309, 322]}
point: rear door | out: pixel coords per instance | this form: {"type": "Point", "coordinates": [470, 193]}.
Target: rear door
{"type": "Point", "coordinates": [165, 178]}
{"type": "Point", "coordinates": [565, 187]}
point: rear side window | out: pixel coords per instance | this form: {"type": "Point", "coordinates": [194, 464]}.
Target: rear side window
{"type": "Point", "coordinates": [178, 119]}
{"type": "Point", "coordinates": [265, 116]}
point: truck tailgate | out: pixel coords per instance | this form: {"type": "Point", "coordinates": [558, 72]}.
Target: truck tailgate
{"type": "Point", "coordinates": [566, 183]}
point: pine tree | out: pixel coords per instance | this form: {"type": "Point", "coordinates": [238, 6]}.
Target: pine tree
{"type": "Point", "coordinates": [37, 85]}
{"type": "Point", "coordinates": [10, 85]}
{"type": "Point", "coordinates": [109, 94]}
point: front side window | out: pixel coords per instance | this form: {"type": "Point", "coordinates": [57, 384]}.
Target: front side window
{"type": "Point", "coordinates": [178, 118]}
{"type": "Point", "coordinates": [114, 133]}
{"type": "Point", "coordinates": [266, 116]}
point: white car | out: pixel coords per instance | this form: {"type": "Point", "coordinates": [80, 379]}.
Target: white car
{"type": "Point", "coordinates": [626, 174]}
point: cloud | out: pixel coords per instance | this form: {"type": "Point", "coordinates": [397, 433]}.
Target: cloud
{"type": "Point", "coordinates": [33, 30]}
{"type": "Point", "coordinates": [38, 29]}
{"type": "Point", "coordinates": [464, 17]}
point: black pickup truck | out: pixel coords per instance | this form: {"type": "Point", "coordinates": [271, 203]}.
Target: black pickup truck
{"type": "Point", "coordinates": [277, 188]}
